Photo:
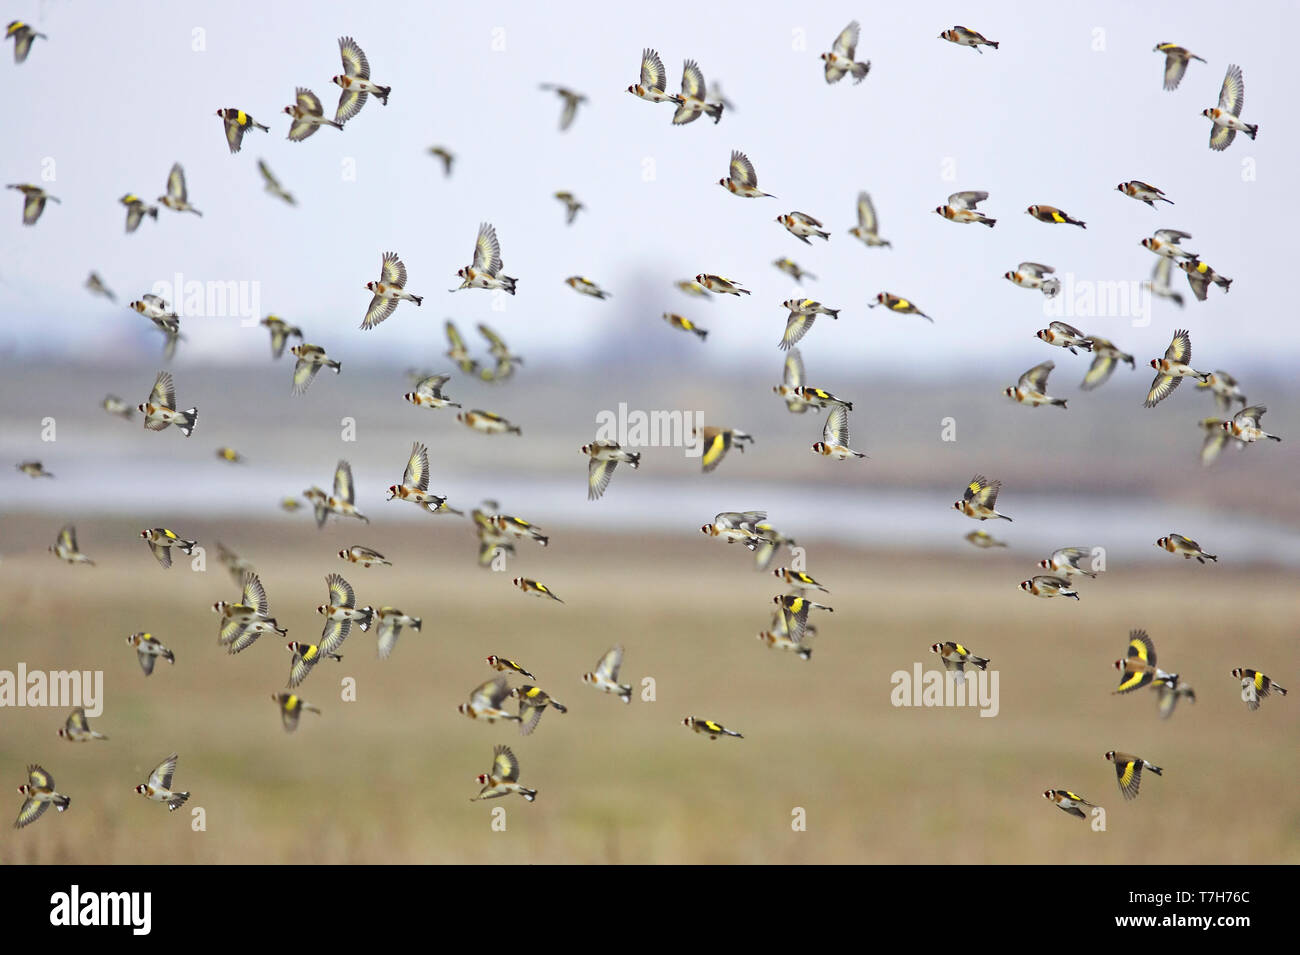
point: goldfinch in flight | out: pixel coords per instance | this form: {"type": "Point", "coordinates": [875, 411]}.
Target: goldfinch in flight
{"type": "Point", "coordinates": [243, 622]}
{"type": "Point", "coordinates": [428, 393]}
{"type": "Point", "coordinates": [1199, 277]}
{"type": "Point", "coordinates": [292, 706]}
{"type": "Point", "coordinates": [310, 359]}
{"type": "Point", "coordinates": [692, 288]}
{"type": "Point", "coordinates": [498, 349]}
{"type": "Point", "coordinates": [961, 208]}
{"type": "Point", "coordinates": [34, 198]}
{"type": "Point", "coordinates": [964, 37]}
{"type": "Point", "coordinates": [586, 287]}
{"type": "Point", "coordinates": [272, 184]}
{"type": "Point", "coordinates": [1173, 368]}
{"type": "Point", "coordinates": [355, 82]}
{"type": "Point", "coordinates": [148, 649]}
{"type": "Point", "coordinates": [486, 422]}
{"type": "Point", "coordinates": [1128, 770]}
{"type": "Point", "coordinates": [835, 436]}
{"type": "Point", "coordinates": [741, 179]}
{"type": "Point", "coordinates": [798, 580]}
{"type": "Point", "coordinates": [654, 80]}
{"type": "Point", "coordinates": [1054, 215]}
{"type": "Point", "coordinates": [1068, 561]}
{"type": "Point", "coordinates": [691, 101]}
{"type": "Point", "coordinates": [96, 285]}
{"type": "Point", "coordinates": [1069, 802]}
{"type": "Point", "coordinates": [137, 209]}
{"type": "Point", "coordinates": [1143, 192]}
{"type": "Point", "coordinates": [230, 455]}
{"type": "Point", "coordinates": [791, 386]}
{"type": "Point", "coordinates": [237, 122]}
{"type": "Point", "coordinates": [571, 206]}
{"type": "Point", "coordinates": [485, 268]}
{"type": "Point", "coordinates": [1160, 284]}
{"type": "Point", "coordinates": [281, 331]}
{"type": "Point", "coordinates": [1255, 686]}
{"type": "Point", "coordinates": [792, 269]}
{"type": "Point", "coordinates": [532, 700]}
{"type": "Point", "coordinates": [1105, 356]}
{"type": "Point", "coordinates": [605, 676]}
{"type": "Point", "coordinates": [340, 612]}
{"type": "Point", "coordinates": [1225, 389]}
{"type": "Point", "coordinates": [955, 657]}
{"type": "Point", "coordinates": [445, 156]}
{"type": "Point", "coordinates": [979, 499]}
{"type": "Point", "coordinates": [22, 35]}
{"type": "Point", "coordinates": [237, 566]}
{"type": "Point", "coordinates": [65, 547]}
{"type": "Point", "coordinates": [604, 456]}
{"type": "Point", "coordinates": [158, 787]}
{"type": "Point", "coordinates": [776, 637]}
{"type": "Point", "coordinates": [504, 777]}
{"type": "Point", "coordinates": [571, 102]}
{"type": "Point", "coordinates": [868, 228]}
{"type": "Point", "coordinates": [1170, 693]}
{"type": "Point", "coordinates": [1215, 439]}
{"type": "Point", "coordinates": [1048, 585]}
{"type": "Point", "coordinates": [840, 59]}
{"type": "Point", "coordinates": [685, 324]}
{"type": "Point", "coordinates": [77, 728]}
{"type": "Point", "coordinates": [305, 657]}
{"type": "Point", "coordinates": [734, 526]}
{"type": "Point", "coordinates": [1031, 275]}
{"type": "Point", "coordinates": [1176, 59]}
{"type": "Point", "coordinates": [712, 729]}
{"type": "Point", "coordinates": [502, 664]}
{"type": "Point", "coordinates": [33, 469]}
{"type": "Point", "coordinates": [896, 303]}
{"type": "Point", "coordinates": [1244, 425]}
{"type": "Point", "coordinates": [1226, 116]}
{"type": "Point", "coordinates": [1066, 336]}
{"type": "Point", "coordinates": [794, 613]}
{"type": "Point", "coordinates": [161, 541]}
{"type": "Point", "coordinates": [177, 197]}
{"type": "Point", "coordinates": [1138, 668]}
{"type": "Point", "coordinates": [1165, 243]}
{"type": "Point", "coordinates": [1031, 389]}
{"type": "Point", "coordinates": [388, 290]}
{"type": "Point", "coordinates": [39, 790]}
{"type": "Point", "coordinates": [308, 115]}
{"type": "Point", "coordinates": [720, 285]}
{"type": "Point", "coordinates": [343, 501]}
{"type": "Point", "coordinates": [536, 588]}
{"type": "Point", "coordinates": [717, 442]}
{"type": "Point", "coordinates": [803, 313]}
{"type": "Point", "coordinates": [984, 540]}
{"type": "Point", "coordinates": [415, 483]}
{"type": "Point", "coordinates": [1178, 544]}
{"type": "Point", "coordinates": [391, 621]}
{"type": "Point", "coordinates": [801, 226]}
{"type": "Point", "coordinates": [357, 554]}
{"type": "Point", "coordinates": [485, 702]}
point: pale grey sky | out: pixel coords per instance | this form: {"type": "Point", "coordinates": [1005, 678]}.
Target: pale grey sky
{"type": "Point", "coordinates": [1069, 106]}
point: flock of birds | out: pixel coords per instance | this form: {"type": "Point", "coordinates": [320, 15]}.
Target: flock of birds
{"type": "Point", "coordinates": [244, 620]}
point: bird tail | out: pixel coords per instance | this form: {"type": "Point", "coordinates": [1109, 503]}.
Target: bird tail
{"type": "Point", "coordinates": [265, 129]}
{"type": "Point", "coordinates": [1059, 401]}
{"type": "Point", "coordinates": [1050, 287]}
{"type": "Point", "coordinates": [509, 283]}
{"type": "Point", "coordinates": [980, 662]}
{"type": "Point", "coordinates": [804, 653]}
{"type": "Point", "coordinates": [338, 657]}
{"type": "Point", "coordinates": [153, 210]}
{"type": "Point", "coordinates": [1252, 130]}
{"type": "Point", "coordinates": [625, 692]}
{"type": "Point", "coordinates": [989, 222]}
{"type": "Point", "coordinates": [1209, 557]}
{"type": "Point", "coordinates": [833, 312]}
{"type": "Point", "coordinates": [860, 71]}
{"type": "Point", "coordinates": [419, 299]}
{"type": "Point", "coordinates": [715, 111]}
{"type": "Point", "coordinates": [1155, 769]}
{"type": "Point", "coordinates": [61, 802]}
{"type": "Point", "coordinates": [529, 794]}
{"type": "Point", "coordinates": [701, 332]}
{"type": "Point", "coordinates": [330, 122]}
{"type": "Point", "coordinates": [993, 43]}
{"type": "Point", "coordinates": [382, 93]}
{"type": "Point", "coordinates": [188, 422]}
{"type": "Point", "coordinates": [177, 800]}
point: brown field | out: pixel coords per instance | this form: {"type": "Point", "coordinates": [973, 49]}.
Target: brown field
{"type": "Point", "coordinates": [387, 778]}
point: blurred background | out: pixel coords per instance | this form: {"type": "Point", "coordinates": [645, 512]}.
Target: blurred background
{"type": "Point", "coordinates": [1070, 105]}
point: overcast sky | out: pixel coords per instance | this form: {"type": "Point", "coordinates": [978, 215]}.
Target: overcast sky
{"type": "Point", "coordinates": [1069, 106]}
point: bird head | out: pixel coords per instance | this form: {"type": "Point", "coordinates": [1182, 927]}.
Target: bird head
{"type": "Point", "coordinates": [323, 608]}
{"type": "Point", "coordinates": [481, 778]}
{"type": "Point", "coordinates": [690, 720]}
{"type": "Point", "coordinates": [1045, 564]}
{"type": "Point", "coordinates": [1009, 391]}
{"type": "Point", "coordinates": [1149, 243]}
{"type": "Point", "coordinates": [1026, 585]}
{"type": "Point", "coordinates": [1208, 113]}
{"type": "Point", "coordinates": [221, 113]}
{"type": "Point", "coordinates": [392, 491]}
{"type": "Point", "coordinates": [371, 285]}
{"type": "Point", "coordinates": [288, 110]}
{"type": "Point", "coordinates": [938, 210]}
{"type": "Point", "coordinates": [337, 80]}
{"type": "Point", "coordinates": [1163, 542]}
{"type": "Point", "coordinates": [142, 789]}
{"type": "Point", "coordinates": [819, 447]}
{"type": "Point", "coordinates": [957, 505]}
{"type": "Point", "coordinates": [1155, 363]}
{"type": "Point", "coordinates": [936, 648]}
{"type": "Point", "coordinates": [1111, 756]}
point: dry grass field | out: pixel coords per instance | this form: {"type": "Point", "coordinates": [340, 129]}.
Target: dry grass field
{"type": "Point", "coordinates": [388, 778]}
